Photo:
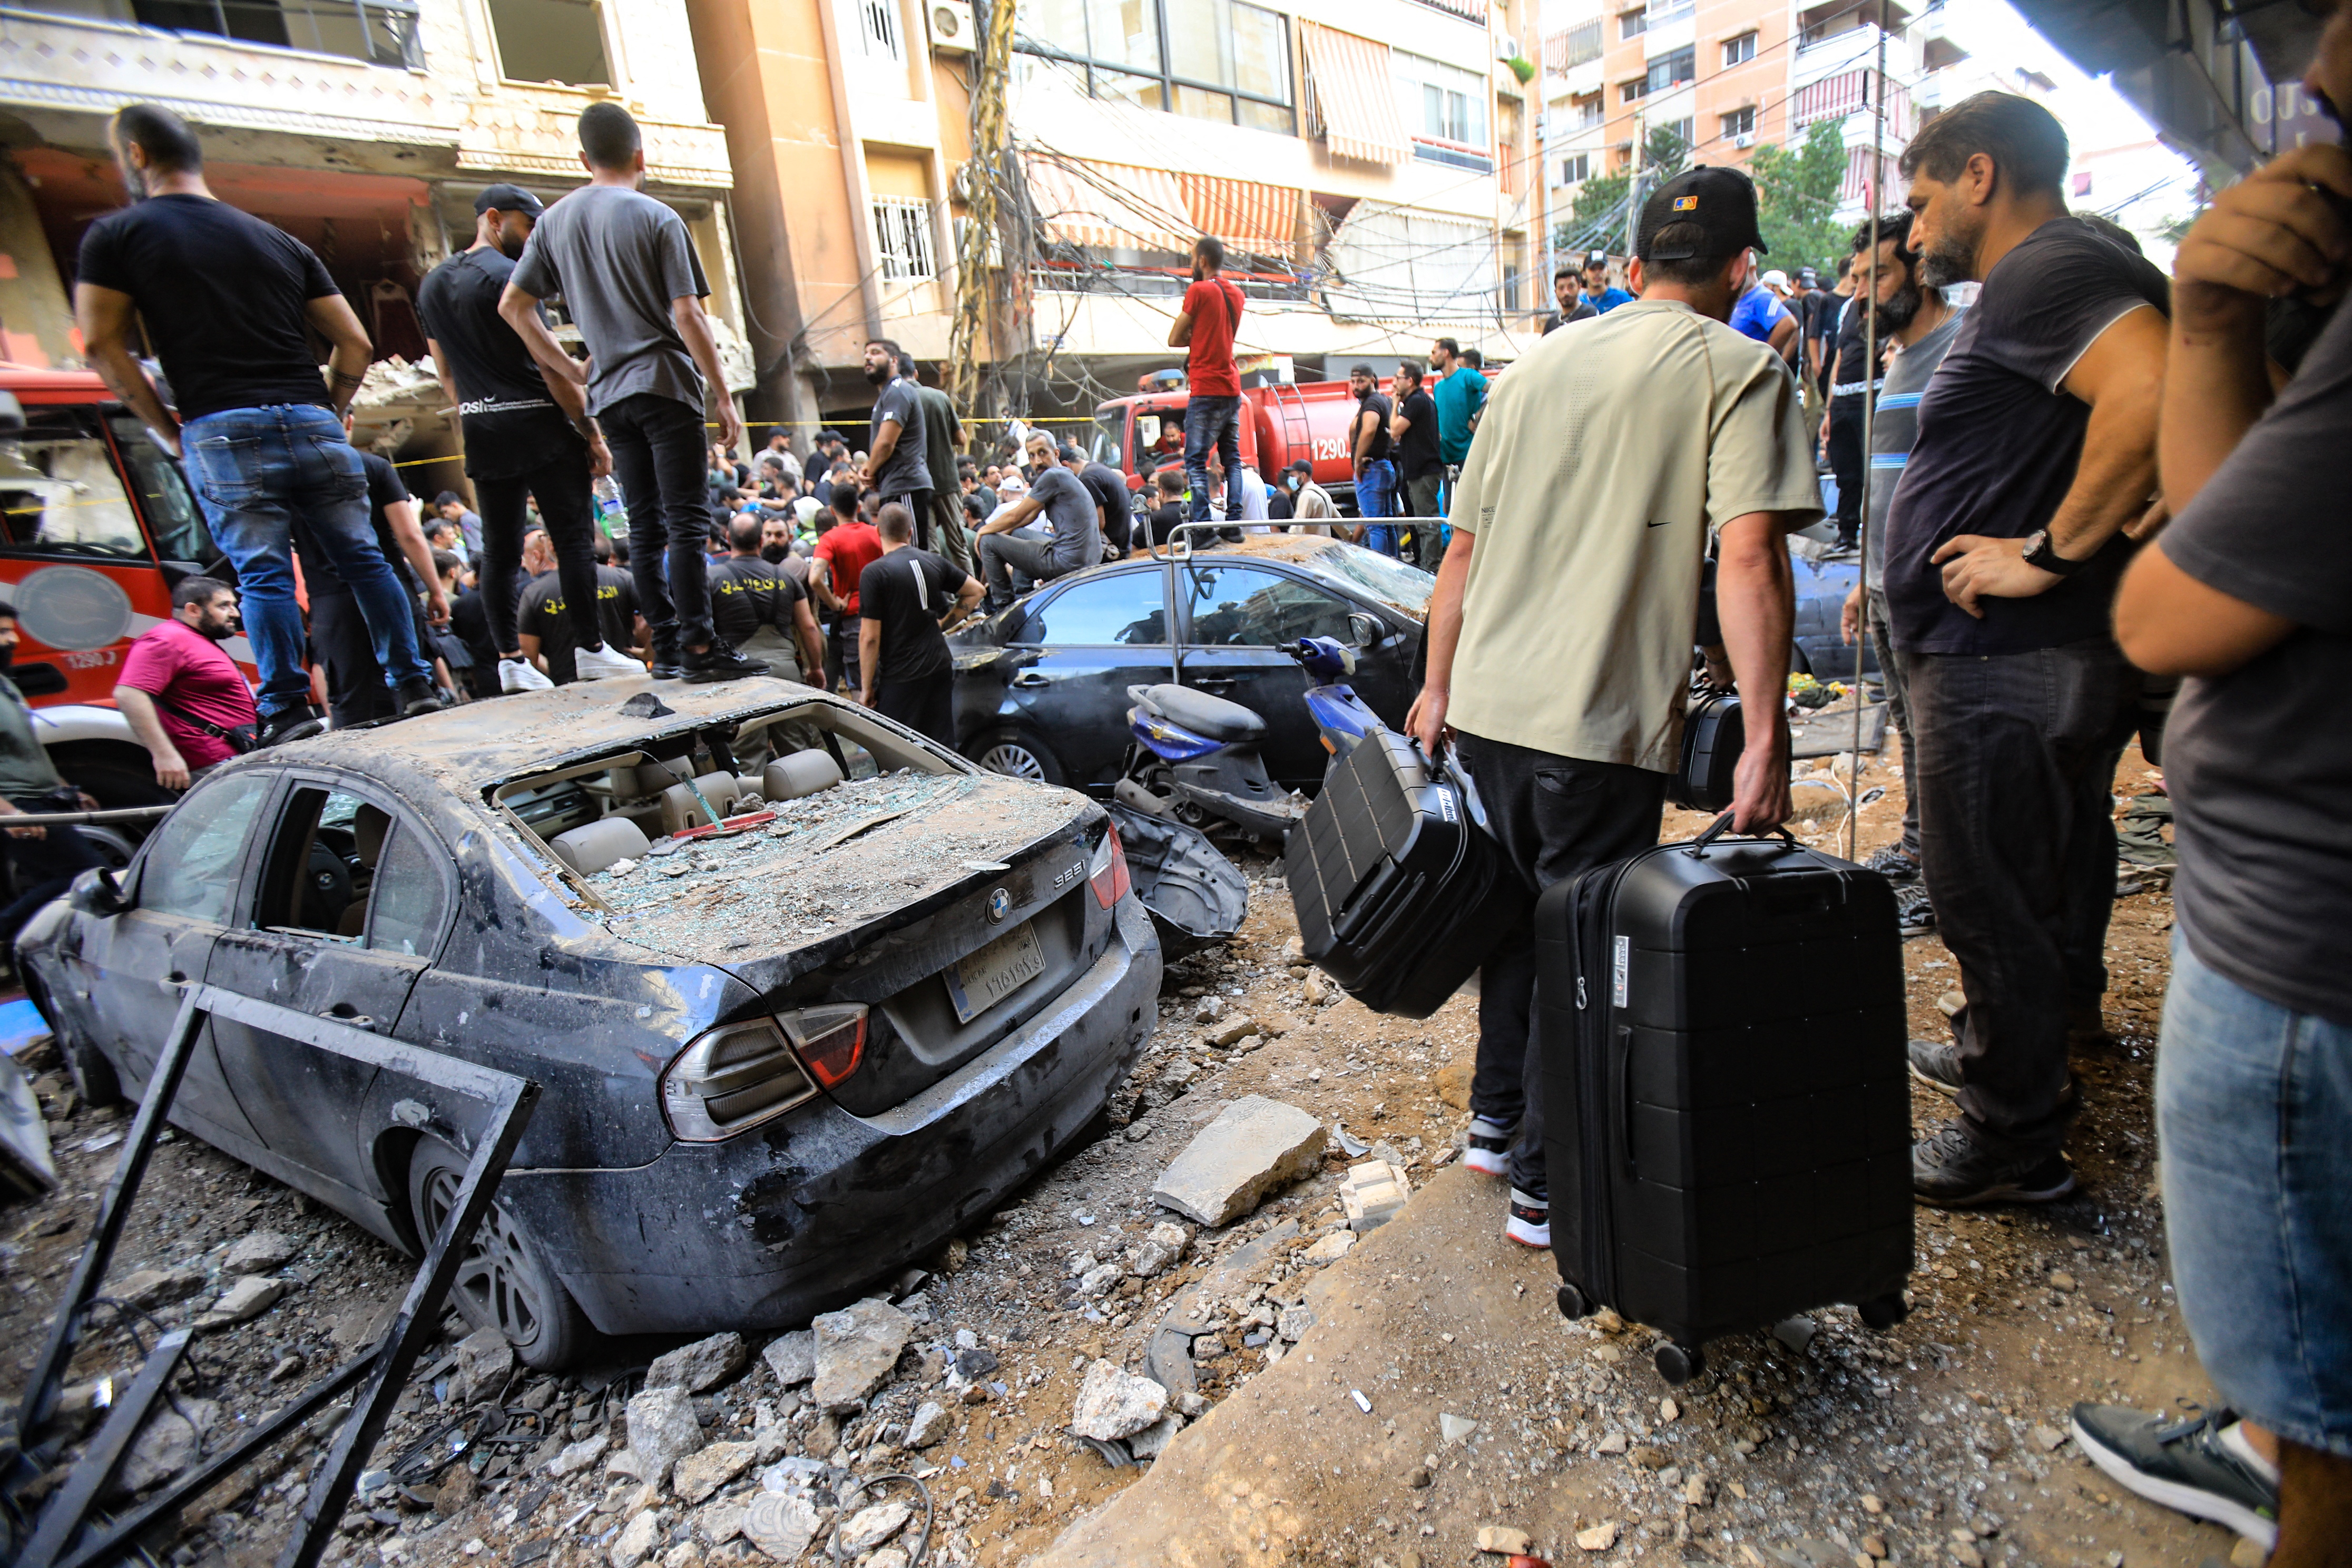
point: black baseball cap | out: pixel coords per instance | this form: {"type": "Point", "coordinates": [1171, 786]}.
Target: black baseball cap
{"type": "Point", "coordinates": [508, 199]}
{"type": "Point", "coordinates": [1722, 201]}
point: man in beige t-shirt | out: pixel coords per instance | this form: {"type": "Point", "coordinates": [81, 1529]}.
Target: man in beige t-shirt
{"type": "Point", "coordinates": [1562, 628]}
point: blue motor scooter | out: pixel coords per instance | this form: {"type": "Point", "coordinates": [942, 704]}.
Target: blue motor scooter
{"type": "Point", "coordinates": [1195, 758]}
{"type": "Point", "coordinates": [1338, 713]}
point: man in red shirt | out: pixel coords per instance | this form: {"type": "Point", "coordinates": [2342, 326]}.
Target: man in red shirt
{"type": "Point", "coordinates": [1212, 309]}
{"type": "Point", "coordinates": [842, 554]}
{"type": "Point", "coordinates": [182, 692]}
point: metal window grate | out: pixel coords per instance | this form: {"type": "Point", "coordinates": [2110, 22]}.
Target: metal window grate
{"type": "Point", "coordinates": [877, 27]}
{"type": "Point", "coordinates": [902, 238]}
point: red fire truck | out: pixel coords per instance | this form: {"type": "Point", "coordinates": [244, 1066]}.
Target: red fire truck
{"type": "Point", "coordinates": [98, 524]}
{"type": "Point", "coordinates": [1279, 424]}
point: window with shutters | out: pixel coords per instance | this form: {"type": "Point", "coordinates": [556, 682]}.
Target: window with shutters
{"type": "Point", "coordinates": [902, 238]}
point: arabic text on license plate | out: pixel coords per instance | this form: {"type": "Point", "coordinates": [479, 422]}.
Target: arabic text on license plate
{"type": "Point", "coordinates": [980, 980]}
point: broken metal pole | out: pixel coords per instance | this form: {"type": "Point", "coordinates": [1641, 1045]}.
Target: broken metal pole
{"type": "Point", "coordinates": [63, 1518]}
{"type": "Point", "coordinates": [113, 1210]}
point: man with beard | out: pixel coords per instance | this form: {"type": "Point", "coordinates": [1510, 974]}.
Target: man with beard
{"type": "Point", "coordinates": [229, 304]}
{"type": "Point", "coordinates": [1204, 329]}
{"type": "Point", "coordinates": [2037, 444]}
{"type": "Point", "coordinates": [526, 438]}
{"type": "Point", "coordinates": [1922, 326]}
{"type": "Point", "coordinates": [181, 694]}
{"type": "Point", "coordinates": [897, 466]}
{"type": "Point", "coordinates": [762, 611]}
{"type": "Point", "coordinates": [46, 859]}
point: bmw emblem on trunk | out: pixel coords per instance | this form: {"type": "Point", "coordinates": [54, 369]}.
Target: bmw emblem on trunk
{"type": "Point", "coordinates": [1000, 904]}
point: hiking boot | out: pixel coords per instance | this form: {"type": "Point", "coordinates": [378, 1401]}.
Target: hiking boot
{"type": "Point", "coordinates": [601, 663]}
{"type": "Point", "coordinates": [1937, 1064]}
{"type": "Point", "coordinates": [1530, 1221]}
{"type": "Point", "coordinates": [418, 696]}
{"type": "Point", "coordinates": [719, 662]}
{"type": "Point", "coordinates": [2202, 1467]}
{"type": "Point", "coordinates": [1894, 864]}
{"type": "Point", "coordinates": [1914, 915]}
{"type": "Point", "coordinates": [1489, 1148]}
{"type": "Point", "coordinates": [297, 723]}
{"type": "Point", "coordinates": [1950, 1169]}
{"type": "Point", "coordinates": [522, 675]}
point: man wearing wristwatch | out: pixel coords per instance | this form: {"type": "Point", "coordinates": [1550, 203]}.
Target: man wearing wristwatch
{"type": "Point", "coordinates": [2036, 446]}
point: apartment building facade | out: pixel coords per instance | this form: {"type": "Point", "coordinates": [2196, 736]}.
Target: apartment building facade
{"type": "Point", "coordinates": [1368, 167]}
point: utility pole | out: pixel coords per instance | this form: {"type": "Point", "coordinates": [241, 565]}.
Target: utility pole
{"type": "Point", "coordinates": [970, 337]}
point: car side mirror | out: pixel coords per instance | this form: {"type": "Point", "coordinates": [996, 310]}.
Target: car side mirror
{"type": "Point", "coordinates": [1363, 630]}
{"type": "Point", "coordinates": [96, 892]}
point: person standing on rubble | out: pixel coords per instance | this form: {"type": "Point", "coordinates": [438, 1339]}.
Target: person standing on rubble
{"type": "Point", "coordinates": [1562, 626]}
{"type": "Point", "coordinates": [905, 600]}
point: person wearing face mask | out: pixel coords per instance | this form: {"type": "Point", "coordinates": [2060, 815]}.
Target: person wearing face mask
{"type": "Point", "coordinates": [183, 697]}
{"type": "Point", "coordinates": [1308, 504]}
{"type": "Point", "coordinates": [525, 437]}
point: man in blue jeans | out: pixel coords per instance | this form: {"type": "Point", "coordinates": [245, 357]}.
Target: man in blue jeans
{"type": "Point", "coordinates": [1213, 407]}
{"type": "Point", "coordinates": [633, 285]}
{"type": "Point", "coordinates": [2244, 594]}
{"type": "Point", "coordinates": [1369, 441]}
{"type": "Point", "coordinates": [226, 299]}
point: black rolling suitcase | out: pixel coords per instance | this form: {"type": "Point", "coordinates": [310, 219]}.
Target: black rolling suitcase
{"type": "Point", "coordinates": [1400, 894]}
{"type": "Point", "coordinates": [1728, 1123]}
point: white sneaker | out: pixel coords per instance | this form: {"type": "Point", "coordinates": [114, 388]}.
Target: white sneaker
{"type": "Point", "coordinates": [1530, 1224]}
{"type": "Point", "coordinates": [522, 675]}
{"type": "Point", "coordinates": [603, 664]}
{"type": "Point", "coordinates": [1488, 1149]}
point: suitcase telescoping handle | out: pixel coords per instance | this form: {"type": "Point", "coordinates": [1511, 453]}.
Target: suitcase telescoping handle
{"type": "Point", "coordinates": [1722, 825]}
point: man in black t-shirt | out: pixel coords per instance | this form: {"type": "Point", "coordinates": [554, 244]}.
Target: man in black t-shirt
{"type": "Point", "coordinates": [1852, 385]}
{"type": "Point", "coordinates": [1420, 471]}
{"type": "Point", "coordinates": [1567, 288]}
{"type": "Point", "coordinates": [1168, 510]}
{"type": "Point", "coordinates": [1367, 448]}
{"type": "Point", "coordinates": [903, 600]}
{"type": "Point", "coordinates": [762, 610]}
{"type": "Point", "coordinates": [356, 693]}
{"type": "Point", "coordinates": [228, 302]}
{"type": "Point", "coordinates": [2036, 446]}
{"type": "Point", "coordinates": [1109, 487]}
{"type": "Point", "coordinates": [526, 440]}
{"type": "Point", "coordinates": [548, 631]}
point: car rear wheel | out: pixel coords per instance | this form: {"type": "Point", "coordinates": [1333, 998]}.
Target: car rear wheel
{"type": "Point", "coordinates": [504, 1280]}
{"type": "Point", "coordinates": [1017, 756]}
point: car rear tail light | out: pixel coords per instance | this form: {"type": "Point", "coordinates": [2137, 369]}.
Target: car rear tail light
{"type": "Point", "coordinates": [831, 1039]}
{"type": "Point", "coordinates": [1107, 870]}
{"type": "Point", "coordinates": [731, 1078]}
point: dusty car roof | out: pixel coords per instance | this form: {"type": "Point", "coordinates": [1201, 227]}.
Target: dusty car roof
{"type": "Point", "coordinates": [487, 742]}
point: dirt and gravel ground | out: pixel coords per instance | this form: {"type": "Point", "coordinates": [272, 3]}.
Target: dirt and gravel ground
{"type": "Point", "coordinates": [1940, 1441]}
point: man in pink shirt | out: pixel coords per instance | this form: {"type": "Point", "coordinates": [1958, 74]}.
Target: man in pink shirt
{"type": "Point", "coordinates": [185, 697]}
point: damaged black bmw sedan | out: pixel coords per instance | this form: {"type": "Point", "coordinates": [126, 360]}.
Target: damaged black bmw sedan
{"type": "Point", "coordinates": [806, 994]}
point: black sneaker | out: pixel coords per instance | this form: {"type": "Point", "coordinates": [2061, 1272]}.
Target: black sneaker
{"type": "Point", "coordinates": [1949, 1169]}
{"type": "Point", "coordinates": [719, 662]}
{"type": "Point", "coordinates": [2203, 1467]}
{"type": "Point", "coordinates": [1894, 864]}
{"type": "Point", "coordinates": [288, 724]}
{"type": "Point", "coordinates": [1914, 915]}
{"type": "Point", "coordinates": [417, 696]}
{"type": "Point", "coordinates": [1937, 1064]}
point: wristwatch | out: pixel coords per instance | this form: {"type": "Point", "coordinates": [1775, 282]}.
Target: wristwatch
{"type": "Point", "coordinates": [2039, 552]}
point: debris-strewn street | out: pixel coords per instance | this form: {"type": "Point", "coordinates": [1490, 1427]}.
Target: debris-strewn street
{"type": "Point", "coordinates": [1408, 1396]}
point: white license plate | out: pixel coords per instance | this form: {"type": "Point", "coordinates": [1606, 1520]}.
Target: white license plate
{"type": "Point", "coordinates": [980, 980]}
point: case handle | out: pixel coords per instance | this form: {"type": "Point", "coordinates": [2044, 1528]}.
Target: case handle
{"type": "Point", "coordinates": [1722, 825]}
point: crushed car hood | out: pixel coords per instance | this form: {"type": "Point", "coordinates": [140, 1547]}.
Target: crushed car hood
{"type": "Point", "coordinates": [814, 884]}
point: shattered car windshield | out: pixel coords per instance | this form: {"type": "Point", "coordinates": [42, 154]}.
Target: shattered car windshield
{"type": "Point", "coordinates": [1369, 572]}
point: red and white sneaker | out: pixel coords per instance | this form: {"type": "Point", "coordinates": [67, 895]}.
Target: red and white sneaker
{"type": "Point", "coordinates": [1530, 1221]}
{"type": "Point", "coordinates": [1489, 1149]}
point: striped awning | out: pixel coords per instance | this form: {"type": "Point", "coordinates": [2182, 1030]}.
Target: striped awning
{"type": "Point", "coordinates": [1112, 207]}
{"type": "Point", "coordinates": [1245, 215]}
{"type": "Point", "coordinates": [1351, 95]}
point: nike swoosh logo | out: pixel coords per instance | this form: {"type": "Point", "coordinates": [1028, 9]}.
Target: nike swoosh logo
{"type": "Point", "coordinates": [1662, 523]}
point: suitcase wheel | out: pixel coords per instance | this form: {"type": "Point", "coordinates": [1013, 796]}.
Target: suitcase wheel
{"type": "Point", "coordinates": [1573, 1303]}
{"type": "Point", "coordinates": [1882, 1313]}
{"type": "Point", "coordinates": [1679, 1364]}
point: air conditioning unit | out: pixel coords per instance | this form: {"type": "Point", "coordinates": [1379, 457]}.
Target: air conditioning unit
{"type": "Point", "coordinates": [1744, 139]}
{"type": "Point", "coordinates": [952, 32]}
{"type": "Point", "coordinates": [1508, 48]}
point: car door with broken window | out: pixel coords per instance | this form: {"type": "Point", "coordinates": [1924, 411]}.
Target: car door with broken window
{"type": "Point", "coordinates": [347, 906]}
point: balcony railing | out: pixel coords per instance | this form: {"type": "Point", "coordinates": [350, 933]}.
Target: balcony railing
{"type": "Point", "coordinates": [381, 32]}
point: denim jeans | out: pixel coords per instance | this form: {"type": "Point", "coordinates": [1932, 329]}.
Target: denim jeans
{"type": "Point", "coordinates": [1212, 421]}
{"type": "Point", "coordinates": [2016, 756]}
{"type": "Point", "coordinates": [567, 505]}
{"type": "Point", "coordinates": [2254, 1124]}
{"type": "Point", "coordinates": [257, 472]}
{"type": "Point", "coordinates": [659, 456]}
{"type": "Point", "coordinates": [1554, 816]}
{"type": "Point", "coordinates": [1376, 490]}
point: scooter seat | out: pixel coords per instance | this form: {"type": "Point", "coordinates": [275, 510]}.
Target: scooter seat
{"type": "Point", "coordinates": [1211, 718]}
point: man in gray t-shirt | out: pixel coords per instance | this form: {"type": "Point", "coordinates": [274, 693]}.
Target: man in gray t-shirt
{"type": "Point", "coordinates": [1069, 506]}
{"type": "Point", "coordinates": [632, 284]}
